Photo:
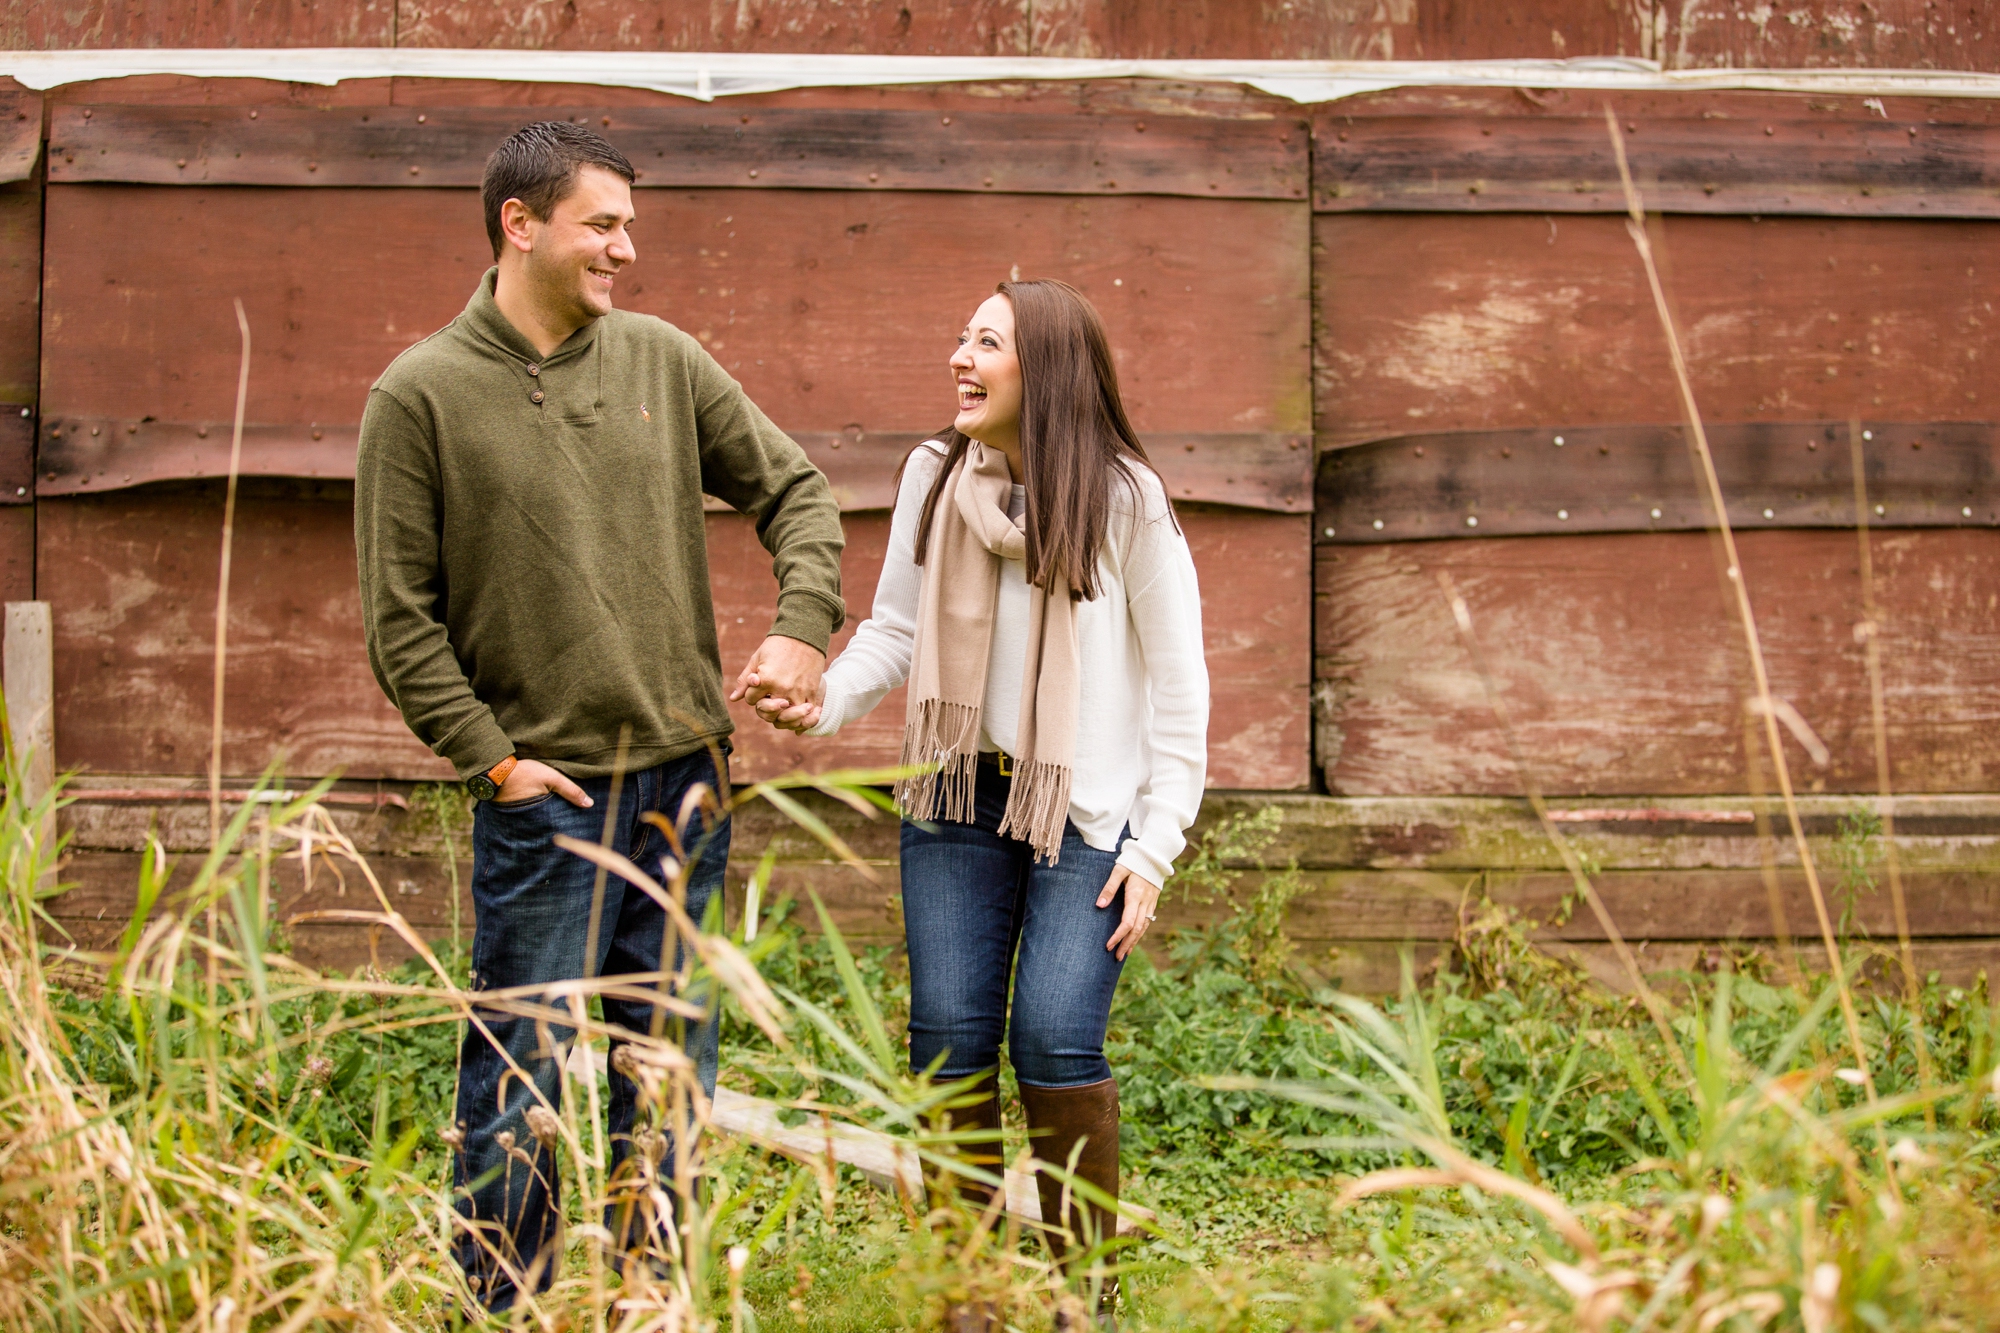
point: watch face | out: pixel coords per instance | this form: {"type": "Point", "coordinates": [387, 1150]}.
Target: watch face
{"type": "Point", "coordinates": [481, 787]}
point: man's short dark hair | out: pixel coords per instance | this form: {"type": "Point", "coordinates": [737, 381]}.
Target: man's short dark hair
{"type": "Point", "coordinates": [538, 165]}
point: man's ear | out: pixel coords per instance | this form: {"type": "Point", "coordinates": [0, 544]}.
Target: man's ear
{"type": "Point", "coordinates": [517, 225]}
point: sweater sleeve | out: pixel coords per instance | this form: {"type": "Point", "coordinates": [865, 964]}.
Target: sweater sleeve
{"type": "Point", "coordinates": [758, 470]}
{"type": "Point", "coordinates": [398, 520]}
{"type": "Point", "coordinates": [877, 659]}
{"type": "Point", "coordinates": [1164, 602]}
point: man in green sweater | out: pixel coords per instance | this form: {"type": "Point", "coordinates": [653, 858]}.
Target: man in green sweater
{"type": "Point", "coordinates": [535, 595]}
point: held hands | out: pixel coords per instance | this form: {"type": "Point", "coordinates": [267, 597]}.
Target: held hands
{"type": "Point", "coordinates": [532, 778]}
{"type": "Point", "coordinates": [782, 681]}
{"type": "Point", "coordinates": [1142, 899]}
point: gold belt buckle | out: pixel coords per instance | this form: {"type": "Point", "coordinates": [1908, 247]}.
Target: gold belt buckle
{"type": "Point", "coordinates": [1006, 762]}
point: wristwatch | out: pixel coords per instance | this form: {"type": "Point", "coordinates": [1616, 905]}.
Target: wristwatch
{"type": "Point", "coordinates": [485, 786]}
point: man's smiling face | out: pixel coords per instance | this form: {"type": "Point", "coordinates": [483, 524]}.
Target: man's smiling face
{"type": "Point", "coordinates": [577, 252]}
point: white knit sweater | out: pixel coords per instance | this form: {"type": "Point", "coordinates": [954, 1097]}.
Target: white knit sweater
{"type": "Point", "coordinates": [1142, 730]}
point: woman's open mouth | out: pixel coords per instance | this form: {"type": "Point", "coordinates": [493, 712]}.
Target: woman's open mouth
{"type": "Point", "coordinates": [970, 395]}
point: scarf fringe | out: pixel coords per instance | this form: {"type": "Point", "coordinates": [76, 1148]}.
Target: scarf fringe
{"type": "Point", "coordinates": [943, 739]}
{"type": "Point", "coordinates": [1038, 807]}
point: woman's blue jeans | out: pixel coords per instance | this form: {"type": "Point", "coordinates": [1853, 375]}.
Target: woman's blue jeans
{"type": "Point", "coordinates": [978, 907]}
{"type": "Point", "coordinates": [533, 926]}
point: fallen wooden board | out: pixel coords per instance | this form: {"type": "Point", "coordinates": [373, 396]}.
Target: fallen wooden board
{"type": "Point", "coordinates": [890, 1164]}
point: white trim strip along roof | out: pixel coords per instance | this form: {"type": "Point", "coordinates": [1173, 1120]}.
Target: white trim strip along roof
{"type": "Point", "coordinates": [708, 76]}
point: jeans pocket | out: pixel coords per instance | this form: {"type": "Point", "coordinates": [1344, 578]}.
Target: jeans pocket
{"type": "Point", "coordinates": [533, 803]}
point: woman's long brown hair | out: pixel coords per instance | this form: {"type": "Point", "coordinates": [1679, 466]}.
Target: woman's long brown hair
{"type": "Point", "coordinates": [1075, 436]}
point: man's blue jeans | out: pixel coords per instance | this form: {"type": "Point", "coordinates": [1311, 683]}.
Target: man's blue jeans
{"type": "Point", "coordinates": [972, 902]}
{"type": "Point", "coordinates": [533, 905]}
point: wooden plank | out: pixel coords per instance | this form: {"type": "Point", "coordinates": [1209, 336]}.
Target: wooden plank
{"type": "Point", "coordinates": [1648, 106]}
{"type": "Point", "coordinates": [680, 146]}
{"type": "Point", "coordinates": [131, 573]}
{"type": "Point", "coordinates": [1442, 322]}
{"type": "Point", "coordinates": [1954, 834]}
{"type": "Point", "coordinates": [30, 688]}
{"type": "Point", "coordinates": [1644, 479]}
{"type": "Point", "coordinates": [132, 579]}
{"type": "Point", "coordinates": [88, 456]}
{"type": "Point", "coordinates": [20, 297]}
{"type": "Point", "coordinates": [939, 27]}
{"type": "Point", "coordinates": [1254, 569]}
{"type": "Point", "coordinates": [1861, 34]}
{"type": "Point", "coordinates": [17, 553]}
{"type": "Point", "coordinates": [1620, 661]}
{"type": "Point", "coordinates": [17, 455]}
{"type": "Point", "coordinates": [849, 301]}
{"type": "Point", "coordinates": [1646, 905]}
{"type": "Point", "coordinates": [240, 23]}
{"type": "Point", "coordinates": [1848, 168]}
{"type": "Point", "coordinates": [20, 131]}
{"type": "Point", "coordinates": [1551, 29]}
{"type": "Point", "coordinates": [1217, 30]}
{"type": "Point", "coordinates": [94, 912]}
{"type": "Point", "coordinates": [1953, 962]}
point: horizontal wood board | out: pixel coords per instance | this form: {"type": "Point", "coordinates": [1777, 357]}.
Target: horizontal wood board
{"type": "Point", "coordinates": [131, 577]}
{"type": "Point", "coordinates": [1455, 836]}
{"type": "Point", "coordinates": [676, 147]}
{"type": "Point", "coordinates": [1688, 893]}
{"type": "Point", "coordinates": [836, 312]}
{"type": "Point", "coordinates": [1766, 165]}
{"type": "Point", "coordinates": [1879, 34]}
{"type": "Point", "coordinates": [1646, 479]}
{"type": "Point", "coordinates": [1620, 662]}
{"type": "Point", "coordinates": [80, 455]}
{"type": "Point", "coordinates": [1347, 926]}
{"type": "Point", "coordinates": [1431, 323]}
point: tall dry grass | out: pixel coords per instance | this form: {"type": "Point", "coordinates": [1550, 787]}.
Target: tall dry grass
{"type": "Point", "coordinates": [182, 1171]}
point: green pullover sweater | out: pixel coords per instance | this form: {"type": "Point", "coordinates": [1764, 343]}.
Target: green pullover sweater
{"type": "Point", "coordinates": [534, 561]}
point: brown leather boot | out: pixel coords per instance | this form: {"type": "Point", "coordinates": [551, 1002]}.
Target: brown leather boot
{"type": "Point", "coordinates": [1057, 1119]}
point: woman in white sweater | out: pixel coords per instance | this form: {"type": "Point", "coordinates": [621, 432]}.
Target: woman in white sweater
{"type": "Point", "coordinates": [1050, 632]}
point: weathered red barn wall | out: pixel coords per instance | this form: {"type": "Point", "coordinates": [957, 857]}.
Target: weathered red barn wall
{"type": "Point", "coordinates": [835, 309]}
{"type": "Point", "coordinates": [1842, 270]}
{"type": "Point", "coordinates": [1893, 34]}
{"type": "Point", "coordinates": [1617, 653]}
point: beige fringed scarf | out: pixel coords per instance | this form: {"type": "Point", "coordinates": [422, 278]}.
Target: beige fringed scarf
{"type": "Point", "coordinates": [970, 535]}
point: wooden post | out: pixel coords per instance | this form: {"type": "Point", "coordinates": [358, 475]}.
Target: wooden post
{"type": "Point", "coordinates": [27, 659]}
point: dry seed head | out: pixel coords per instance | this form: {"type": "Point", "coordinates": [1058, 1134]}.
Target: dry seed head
{"type": "Point", "coordinates": [542, 1123]}
{"type": "Point", "coordinates": [318, 1072]}
{"type": "Point", "coordinates": [505, 1138]}
{"type": "Point", "coordinates": [453, 1136]}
